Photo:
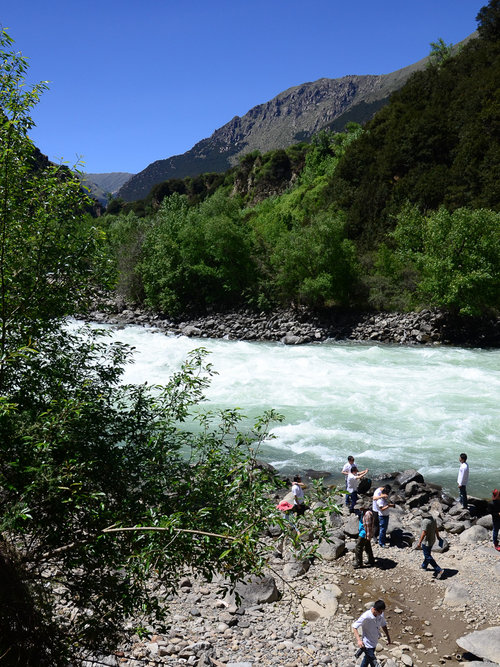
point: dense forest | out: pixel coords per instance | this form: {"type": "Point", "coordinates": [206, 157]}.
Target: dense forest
{"type": "Point", "coordinates": [398, 215]}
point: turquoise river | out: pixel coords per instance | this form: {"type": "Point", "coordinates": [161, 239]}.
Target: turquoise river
{"type": "Point", "coordinates": [392, 407]}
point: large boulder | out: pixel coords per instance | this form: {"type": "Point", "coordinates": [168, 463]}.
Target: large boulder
{"type": "Point", "coordinates": [483, 643]}
{"type": "Point", "coordinates": [351, 527]}
{"type": "Point", "coordinates": [456, 595]}
{"type": "Point", "coordinates": [296, 568]}
{"type": "Point", "coordinates": [331, 550]}
{"type": "Point", "coordinates": [408, 476]}
{"type": "Point", "coordinates": [485, 521]}
{"type": "Point", "coordinates": [258, 590]}
{"type": "Point", "coordinates": [474, 534]}
{"type": "Point", "coordinates": [322, 602]}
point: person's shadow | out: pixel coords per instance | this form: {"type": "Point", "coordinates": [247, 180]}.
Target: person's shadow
{"type": "Point", "coordinates": [385, 564]}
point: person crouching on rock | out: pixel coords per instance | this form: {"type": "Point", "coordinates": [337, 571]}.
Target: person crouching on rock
{"type": "Point", "coordinates": [370, 623]}
{"type": "Point", "coordinates": [365, 534]}
{"type": "Point", "coordinates": [299, 506]}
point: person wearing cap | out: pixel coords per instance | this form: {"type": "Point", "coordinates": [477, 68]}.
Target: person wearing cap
{"type": "Point", "coordinates": [426, 541]}
{"type": "Point", "coordinates": [371, 622]}
{"type": "Point", "coordinates": [299, 505]}
{"type": "Point", "coordinates": [365, 534]}
{"type": "Point", "coordinates": [352, 485]}
{"type": "Point", "coordinates": [494, 510]}
{"type": "Point", "coordinates": [462, 480]}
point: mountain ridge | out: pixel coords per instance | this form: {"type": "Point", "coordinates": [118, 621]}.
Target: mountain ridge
{"type": "Point", "coordinates": [292, 116]}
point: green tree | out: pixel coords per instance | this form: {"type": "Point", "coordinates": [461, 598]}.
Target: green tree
{"type": "Point", "coordinates": [440, 52]}
{"type": "Point", "coordinates": [457, 256]}
{"type": "Point", "coordinates": [488, 21]}
{"type": "Point", "coordinates": [48, 244]}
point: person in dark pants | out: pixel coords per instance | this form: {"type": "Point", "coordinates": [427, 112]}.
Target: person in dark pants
{"type": "Point", "coordinates": [462, 480]}
{"type": "Point", "coordinates": [352, 485]}
{"type": "Point", "coordinates": [365, 534]}
{"type": "Point", "coordinates": [426, 541]}
{"type": "Point", "coordinates": [370, 623]}
{"type": "Point", "coordinates": [494, 510]}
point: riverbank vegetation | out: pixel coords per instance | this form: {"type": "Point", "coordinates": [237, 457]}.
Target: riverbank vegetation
{"type": "Point", "coordinates": [108, 492]}
{"type": "Point", "coordinates": [399, 215]}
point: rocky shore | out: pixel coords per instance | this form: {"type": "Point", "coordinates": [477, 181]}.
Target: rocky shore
{"type": "Point", "coordinates": [301, 611]}
{"type": "Point", "coordinates": [302, 325]}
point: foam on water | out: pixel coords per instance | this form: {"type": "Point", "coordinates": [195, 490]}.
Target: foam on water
{"type": "Point", "coordinates": [391, 407]}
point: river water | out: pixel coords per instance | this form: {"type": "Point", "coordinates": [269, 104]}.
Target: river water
{"type": "Point", "coordinates": [391, 407]}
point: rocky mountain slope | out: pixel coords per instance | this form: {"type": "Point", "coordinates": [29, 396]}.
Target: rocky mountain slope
{"type": "Point", "coordinates": [102, 184]}
{"type": "Point", "coordinates": [292, 116]}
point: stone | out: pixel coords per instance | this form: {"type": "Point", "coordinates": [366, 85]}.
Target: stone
{"type": "Point", "coordinates": [485, 521]}
{"type": "Point", "coordinates": [322, 602]}
{"type": "Point", "coordinates": [456, 595]}
{"type": "Point", "coordinates": [473, 535]}
{"type": "Point", "coordinates": [296, 568]}
{"type": "Point", "coordinates": [331, 550]}
{"type": "Point", "coordinates": [408, 476]}
{"type": "Point", "coordinates": [258, 590]}
{"type": "Point", "coordinates": [351, 527]}
{"type": "Point", "coordinates": [483, 643]}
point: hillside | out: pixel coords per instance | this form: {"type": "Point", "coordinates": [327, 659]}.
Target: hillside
{"type": "Point", "coordinates": [402, 214]}
{"type": "Point", "coordinates": [293, 115]}
{"type": "Point", "coordinates": [102, 184]}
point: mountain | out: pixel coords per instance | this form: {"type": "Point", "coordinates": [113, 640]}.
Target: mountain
{"type": "Point", "coordinates": [292, 116]}
{"type": "Point", "coordinates": [102, 184]}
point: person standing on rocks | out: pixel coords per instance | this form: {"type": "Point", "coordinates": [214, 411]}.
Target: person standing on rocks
{"type": "Point", "coordinates": [352, 485]}
{"type": "Point", "coordinates": [383, 506]}
{"type": "Point", "coordinates": [370, 623]}
{"type": "Point", "coordinates": [299, 505]}
{"type": "Point", "coordinates": [463, 479]}
{"type": "Point", "coordinates": [380, 492]}
{"type": "Point", "coordinates": [365, 534]}
{"type": "Point", "coordinates": [494, 510]}
{"type": "Point", "coordinates": [426, 541]}
{"type": "Point", "coordinates": [345, 471]}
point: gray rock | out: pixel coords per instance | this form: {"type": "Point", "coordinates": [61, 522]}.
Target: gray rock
{"type": "Point", "coordinates": [351, 526]}
{"type": "Point", "coordinates": [456, 595]}
{"type": "Point", "coordinates": [454, 527]}
{"type": "Point", "coordinates": [322, 602]}
{"type": "Point", "coordinates": [474, 535]}
{"type": "Point", "coordinates": [483, 643]}
{"type": "Point", "coordinates": [408, 476]}
{"type": "Point", "coordinates": [296, 568]}
{"type": "Point", "coordinates": [485, 521]}
{"type": "Point", "coordinates": [331, 550]}
{"type": "Point", "coordinates": [190, 331]}
{"type": "Point", "coordinates": [258, 590]}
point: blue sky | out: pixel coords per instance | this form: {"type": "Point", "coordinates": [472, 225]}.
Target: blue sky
{"type": "Point", "coordinates": [140, 80]}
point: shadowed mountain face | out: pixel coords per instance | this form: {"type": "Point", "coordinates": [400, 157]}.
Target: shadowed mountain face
{"type": "Point", "coordinates": [102, 184]}
{"type": "Point", "coordinates": [292, 116]}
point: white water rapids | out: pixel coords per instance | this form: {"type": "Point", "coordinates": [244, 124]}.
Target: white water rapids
{"type": "Point", "coordinates": [391, 407]}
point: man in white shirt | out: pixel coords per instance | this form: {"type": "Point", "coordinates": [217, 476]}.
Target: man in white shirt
{"type": "Point", "coordinates": [345, 471]}
{"type": "Point", "coordinates": [352, 485]}
{"type": "Point", "coordinates": [383, 506]}
{"type": "Point", "coordinates": [370, 623]}
{"type": "Point", "coordinates": [462, 480]}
